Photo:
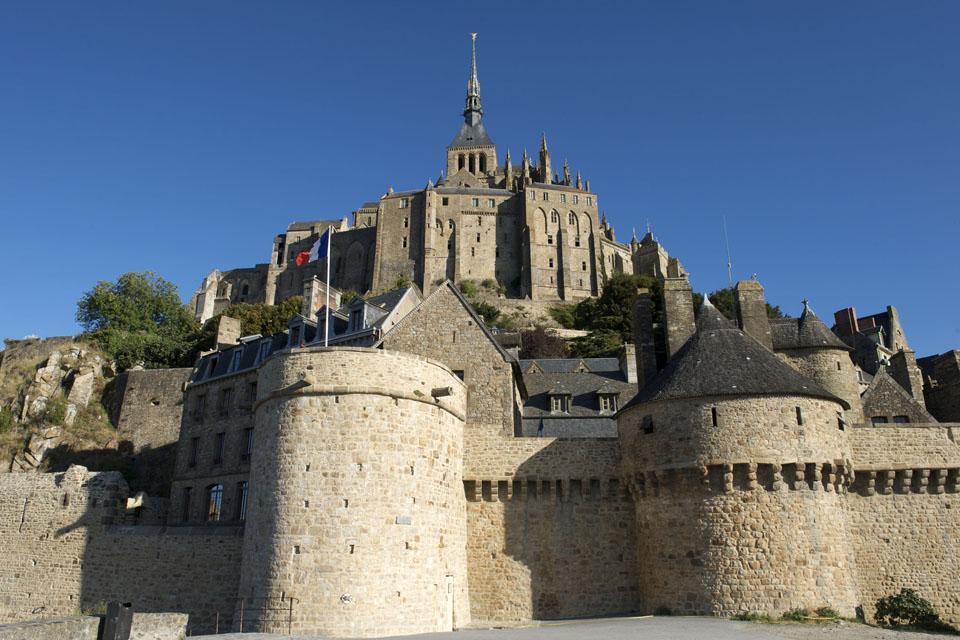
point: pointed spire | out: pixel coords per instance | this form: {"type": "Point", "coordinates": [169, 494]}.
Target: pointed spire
{"type": "Point", "coordinates": [508, 157]}
{"type": "Point", "coordinates": [474, 110]}
{"type": "Point", "coordinates": [586, 185]}
{"type": "Point", "coordinates": [566, 172]}
{"type": "Point", "coordinates": [579, 181]}
{"type": "Point", "coordinates": [543, 141]}
{"type": "Point", "coordinates": [634, 238]}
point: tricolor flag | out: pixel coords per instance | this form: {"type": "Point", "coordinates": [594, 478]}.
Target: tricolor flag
{"type": "Point", "coordinates": [320, 249]}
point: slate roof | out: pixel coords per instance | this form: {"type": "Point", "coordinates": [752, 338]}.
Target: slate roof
{"type": "Point", "coordinates": [721, 360]}
{"type": "Point", "coordinates": [388, 300]}
{"type": "Point", "coordinates": [560, 375]}
{"type": "Point", "coordinates": [805, 332]}
{"type": "Point", "coordinates": [471, 136]}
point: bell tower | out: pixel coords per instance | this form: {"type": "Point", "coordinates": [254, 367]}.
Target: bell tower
{"type": "Point", "coordinates": [472, 150]}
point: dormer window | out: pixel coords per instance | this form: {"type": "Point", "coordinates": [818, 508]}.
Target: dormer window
{"type": "Point", "coordinates": [264, 351]}
{"type": "Point", "coordinates": [235, 362]}
{"type": "Point", "coordinates": [213, 366]}
{"type": "Point", "coordinates": [559, 403]}
{"type": "Point", "coordinates": [294, 336]}
{"type": "Point", "coordinates": [607, 402]}
{"type": "Point", "coordinates": [356, 319]}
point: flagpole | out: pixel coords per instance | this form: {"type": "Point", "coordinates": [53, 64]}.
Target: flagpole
{"type": "Point", "coordinates": [326, 320]}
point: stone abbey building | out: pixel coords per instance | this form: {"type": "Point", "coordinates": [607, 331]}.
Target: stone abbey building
{"type": "Point", "coordinates": [415, 476]}
{"type": "Point", "coordinates": [531, 227]}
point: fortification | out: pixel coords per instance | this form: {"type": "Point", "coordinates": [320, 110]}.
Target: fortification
{"type": "Point", "coordinates": [357, 484]}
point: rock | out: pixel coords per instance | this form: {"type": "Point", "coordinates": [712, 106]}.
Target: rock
{"type": "Point", "coordinates": [82, 388]}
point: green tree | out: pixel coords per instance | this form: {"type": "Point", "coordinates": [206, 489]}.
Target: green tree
{"type": "Point", "coordinates": [138, 319]}
{"type": "Point", "coordinates": [265, 319]}
{"type": "Point", "coordinates": [609, 318]}
{"type": "Point", "coordinates": [540, 344]}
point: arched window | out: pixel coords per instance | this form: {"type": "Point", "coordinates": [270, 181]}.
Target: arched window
{"type": "Point", "coordinates": [571, 218]}
{"type": "Point", "coordinates": [450, 223]}
{"type": "Point", "coordinates": [473, 163]}
{"type": "Point", "coordinates": [214, 502]}
{"type": "Point", "coordinates": [245, 289]}
{"type": "Point", "coordinates": [554, 216]}
{"type": "Point", "coordinates": [483, 162]}
{"type": "Point", "coordinates": [460, 162]}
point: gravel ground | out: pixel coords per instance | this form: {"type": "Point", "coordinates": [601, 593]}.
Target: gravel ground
{"type": "Point", "coordinates": [648, 628]}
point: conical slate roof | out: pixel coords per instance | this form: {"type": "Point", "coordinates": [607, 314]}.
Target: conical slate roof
{"type": "Point", "coordinates": [721, 360]}
{"type": "Point", "coordinates": [807, 332]}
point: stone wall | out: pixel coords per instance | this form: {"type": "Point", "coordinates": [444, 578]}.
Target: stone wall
{"type": "Point", "coordinates": [70, 628]}
{"type": "Point", "coordinates": [357, 510]}
{"type": "Point", "coordinates": [148, 423]}
{"type": "Point", "coordinates": [61, 552]}
{"type": "Point", "coordinates": [835, 372]}
{"type": "Point", "coordinates": [886, 399]}
{"type": "Point", "coordinates": [905, 446]}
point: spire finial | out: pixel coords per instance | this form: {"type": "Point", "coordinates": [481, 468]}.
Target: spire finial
{"type": "Point", "coordinates": [543, 141]}
{"type": "Point", "coordinates": [649, 228]}
{"type": "Point", "coordinates": [473, 109]}
{"type": "Point", "coordinates": [634, 239]}
{"type": "Point", "coordinates": [806, 307]}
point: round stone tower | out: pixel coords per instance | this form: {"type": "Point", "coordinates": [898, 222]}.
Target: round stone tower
{"type": "Point", "coordinates": [737, 465]}
{"type": "Point", "coordinates": [357, 518]}
{"type": "Point", "coordinates": [817, 353]}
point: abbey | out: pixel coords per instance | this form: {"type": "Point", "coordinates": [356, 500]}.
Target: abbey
{"type": "Point", "coordinates": [387, 466]}
{"type": "Point", "coordinates": [532, 227]}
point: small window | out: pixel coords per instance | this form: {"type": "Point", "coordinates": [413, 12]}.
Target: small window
{"type": "Point", "coordinates": [583, 266]}
{"type": "Point", "coordinates": [445, 201]}
{"type": "Point", "coordinates": [589, 201]}
{"type": "Point", "coordinates": [838, 365]}
{"type": "Point", "coordinates": [194, 452]}
{"type": "Point", "coordinates": [404, 242]}
{"type": "Point", "coordinates": [571, 218]}
{"type": "Point", "coordinates": [901, 419]}
{"type": "Point", "coordinates": [546, 197]}
{"type": "Point", "coordinates": [554, 216]}
{"type": "Point", "coordinates": [563, 197]}
{"type": "Point", "coordinates": [648, 424]}
{"type": "Point", "coordinates": [460, 162]}
{"type": "Point", "coordinates": [713, 415]}
{"type": "Point", "coordinates": [473, 252]}
{"type": "Point", "coordinates": [576, 199]}
{"type": "Point", "coordinates": [218, 448]}
{"type": "Point", "coordinates": [226, 399]}
{"type": "Point", "coordinates": [185, 504]}
{"type": "Point", "coordinates": [449, 244]}
{"type": "Point", "coordinates": [492, 203]}
{"type": "Point", "coordinates": [458, 373]}
{"type": "Point", "coordinates": [242, 490]}
{"type": "Point", "coordinates": [475, 202]}
{"type": "Point", "coordinates": [450, 223]}
{"type": "Point", "coordinates": [799, 416]}
{"type": "Point", "coordinates": [559, 403]}
{"type": "Point", "coordinates": [550, 260]}
{"type": "Point", "coordinates": [404, 203]}
{"type": "Point", "coordinates": [252, 392]}
{"type": "Point", "coordinates": [214, 502]}
{"type": "Point", "coordinates": [549, 239]}
{"type": "Point", "coordinates": [247, 444]}
{"type": "Point", "coordinates": [533, 195]}
{"type": "Point", "coordinates": [478, 237]}
{"type": "Point", "coordinates": [245, 290]}
{"type": "Point", "coordinates": [879, 420]}
{"type": "Point", "coordinates": [406, 222]}
{"type": "Point", "coordinates": [576, 241]}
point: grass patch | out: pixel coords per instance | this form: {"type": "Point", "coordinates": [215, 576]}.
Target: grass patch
{"type": "Point", "coordinates": [751, 616]}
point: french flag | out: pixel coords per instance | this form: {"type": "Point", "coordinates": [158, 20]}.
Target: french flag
{"type": "Point", "coordinates": [320, 249]}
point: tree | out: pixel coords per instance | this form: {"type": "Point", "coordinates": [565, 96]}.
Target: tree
{"type": "Point", "coordinates": [723, 300]}
{"type": "Point", "coordinates": [265, 319]}
{"type": "Point", "coordinates": [537, 343]}
{"type": "Point", "coordinates": [487, 312]}
{"type": "Point", "coordinates": [139, 319]}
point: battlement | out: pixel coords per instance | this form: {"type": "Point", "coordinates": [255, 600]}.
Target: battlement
{"type": "Point", "coordinates": [545, 490]}
{"type": "Point", "coordinates": [934, 481]}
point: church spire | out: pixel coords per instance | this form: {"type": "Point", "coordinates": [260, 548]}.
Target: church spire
{"type": "Point", "coordinates": [473, 111]}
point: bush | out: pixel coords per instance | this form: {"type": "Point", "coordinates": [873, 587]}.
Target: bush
{"type": "Point", "coordinates": [56, 411]}
{"type": "Point", "coordinates": [6, 419]}
{"type": "Point", "coordinates": [563, 315]}
{"type": "Point", "coordinates": [910, 609]}
{"type": "Point", "coordinates": [540, 344]}
{"type": "Point", "coordinates": [826, 612]}
{"type": "Point", "coordinates": [487, 312]}
{"type": "Point", "coordinates": [750, 616]}
{"type": "Point", "coordinates": [796, 615]}
{"type": "Point", "coordinates": [469, 288]}
{"type": "Point", "coordinates": [488, 283]}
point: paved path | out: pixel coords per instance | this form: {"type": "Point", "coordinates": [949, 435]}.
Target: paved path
{"type": "Point", "coordinates": [648, 628]}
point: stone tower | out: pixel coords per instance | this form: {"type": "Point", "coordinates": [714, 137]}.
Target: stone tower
{"type": "Point", "coordinates": [738, 467]}
{"type": "Point", "coordinates": [472, 150]}
{"type": "Point", "coordinates": [357, 513]}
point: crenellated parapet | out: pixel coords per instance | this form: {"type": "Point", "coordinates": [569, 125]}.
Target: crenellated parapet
{"type": "Point", "coordinates": [545, 490]}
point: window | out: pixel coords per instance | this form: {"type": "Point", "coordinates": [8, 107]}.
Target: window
{"type": "Point", "coordinates": [799, 416]}
{"type": "Point", "coordinates": [475, 202]}
{"type": "Point", "coordinates": [295, 337]}
{"type": "Point", "coordinates": [533, 195]}
{"type": "Point", "coordinates": [589, 201]}
{"type": "Point", "coordinates": [550, 263]}
{"type": "Point", "coordinates": [226, 397]}
{"type": "Point", "coordinates": [483, 162]}
{"type": "Point", "coordinates": [449, 244]}
{"type": "Point", "coordinates": [546, 197]}
{"type": "Point", "coordinates": [608, 403]}
{"type": "Point", "coordinates": [213, 366]}
{"type": "Point", "coordinates": [194, 452]}
{"type": "Point", "coordinates": [549, 239]}
{"type": "Point", "coordinates": [245, 290]}
{"type": "Point", "coordinates": [460, 162]}
{"type": "Point", "coordinates": [571, 218]}
{"type": "Point", "coordinates": [199, 407]}
{"type": "Point", "coordinates": [559, 403]}
{"type": "Point", "coordinates": [404, 203]}
{"type": "Point", "coordinates": [356, 319]}
{"type": "Point", "coordinates": [576, 199]}
{"type": "Point", "coordinates": [713, 415]}
{"type": "Point", "coordinates": [901, 419]}
{"type": "Point", "coordinates": [214, 502]}
{"type": "Point", "coordinates": [247, 444]}
{"type": "Point", "coordinates": [251, 392]}
{"type": "Point", "coordinates": [478, 237]}
{"type": "Point", "coordinates": [450, 223]}
{"type": "Point", "coordinates": [473, 252]}
{"type": "Point", "coordinates": [458, 373]}
{"type": "Point", "coordinates": [445, 201]}
{"type": "Point", "coordinates": [879, 420]}
{"type": "Point", "coordinates": [439, 225]}
{"type": "Point", "coordinates": [648, 424]}
{"type": "Point", "coordinates": [554, 216]}
{"type": "Point", "coordinates": [583, 266]}
{"type": "Point", "coordinates": [406, 222]}
{"type": "Point", "coordinates": [563, 197]}
{"type": "Point", "coordinates": [491, 203]}
{"type": "Point", "coordinates": [242, 490]}
{"type": "Point", "coordinates": [576, 241]}
{"type": "Point", "coordinates": [404, 242]}
{"type": "Point", "coordinates": [185, 504]}
{"type": "Point", "coordinates": [218, 448]}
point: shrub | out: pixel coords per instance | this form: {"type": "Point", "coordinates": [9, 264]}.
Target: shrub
{"type": "Point", "coordinates": [488, 283]}
{"type": "Point", "coordinates": [826, 612]}
{"type": "Point", "coordinates": [750, 616]}
{"type": "Point", "coordinates": [6, 419]}
{"type": "Point", "coordinates": [487, 312]}
{"type": "Point", "coordinates": [563, 315]}
{"type": "Point", "coordinates": [469, 288]}
{"type": "Point", "coordinates": [56, 411]}
{"type": "Point", "coordinates": [796, 615]}
{"type": "Point", "coordinates": [540, 344]}
{"type": "Point", "coordinates": [910, 609]}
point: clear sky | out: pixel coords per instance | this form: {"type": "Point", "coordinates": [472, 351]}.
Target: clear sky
{"type": "Point", "coordinates": [181, 136]}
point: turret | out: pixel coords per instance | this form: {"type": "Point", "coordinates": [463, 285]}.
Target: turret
{"type": "Point", "coordinates": [579, 181]}
{"type": "Point", "coordinates": [566, 173]}
{"type": "Point", "coordinates": [545, 171]}
{"type": "Point", "coordinates": [508, 172]}
{"type": "Point", "coordinates": [727, 452]}
{"type": "Point", "coordinates": [525, 170]}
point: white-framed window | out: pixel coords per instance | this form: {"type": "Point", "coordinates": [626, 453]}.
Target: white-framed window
{"type": "Point", "coordinates": [576, 199]}
{"type": "Point", "coordinates": [475, 202]}
{"type": "Point", "coordinates": [404, 203]}
{"type": "Point", "coordinates": [563, 197]}
{"type": "Point", "coordinates": [589, 201]}
{"type": "Point", "coordinates": [546, 197]}
{"type": "Point", "coordinates": [608, 403]}
{"type": "Point", "coordinates": [491, 203]}
{"type": "Point", "coordinates": [559, 403]}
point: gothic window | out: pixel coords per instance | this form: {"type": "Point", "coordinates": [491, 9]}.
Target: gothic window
{"type": "Point", "coordinates": [473, 163]}
{"type": "Point", "coordinates": [214, 502]}
{"type": "Point", "coordinates": [554, 216]}
{"type": "Point", "coordinates": [460, 164]}
{"type": "Point", "coordinates": [242, 491]}
{"type": "Point", "coordinates": [571, 218]}
{"type": "Point", "coordinates": [483, 162]}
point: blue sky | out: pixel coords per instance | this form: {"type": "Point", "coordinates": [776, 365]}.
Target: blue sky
{"type": "Point", "coordinates": [181, 136]}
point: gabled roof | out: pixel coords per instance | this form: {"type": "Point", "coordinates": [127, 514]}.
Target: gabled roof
{"type": "Point", "coordinates": [883, 381]}
{"type": "Point", "coordinates": [571, 365]}
{"type": "Point", "coordinates": [721, 360]}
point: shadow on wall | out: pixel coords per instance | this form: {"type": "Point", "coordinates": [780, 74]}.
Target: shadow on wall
{"type": "Point", "coordinates": [556, 541]}
{"type": "Point", "coordinates": [150, 470]}
{"type": "Point", "coordinates": [191, 569]}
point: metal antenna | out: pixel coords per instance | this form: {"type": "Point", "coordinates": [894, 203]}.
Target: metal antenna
{"type": "Point", "coordinates": [729, 259]}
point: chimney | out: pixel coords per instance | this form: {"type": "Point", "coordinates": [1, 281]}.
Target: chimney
{"type": "Point", "coordinates": [752, 311]}
{"type": "Point", "coordinates": [228, 332]}
{"type": "Point", "coordinates": [846, 321]}
{"type": "Point", "coordinates": [315, 297]}
{"type": "Point", "coordinates": [645, 352]}
{"type": "Point", "coordinates": [903, 368]}
{"type": "Point", "coordinates": [678, 309]}
{"type": "Point", "coordinates": [628, 361]}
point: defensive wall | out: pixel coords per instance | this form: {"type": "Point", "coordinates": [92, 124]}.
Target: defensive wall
{"type": "Point", "coordinates": [357, 509]}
